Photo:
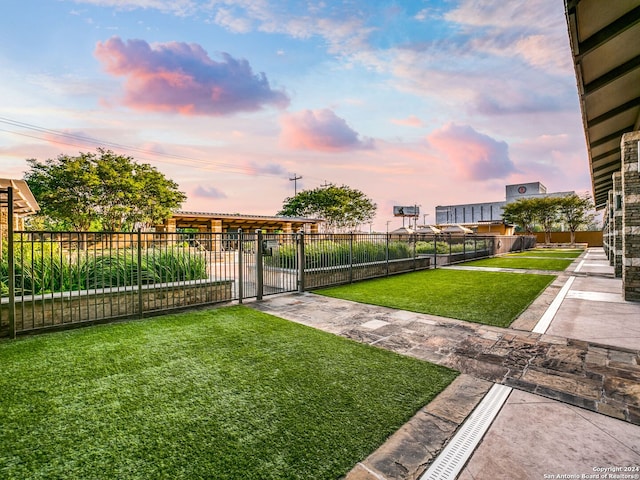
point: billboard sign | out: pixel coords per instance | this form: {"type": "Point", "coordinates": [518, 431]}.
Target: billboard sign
{"type": "Point", "coordinates": [407, 211]}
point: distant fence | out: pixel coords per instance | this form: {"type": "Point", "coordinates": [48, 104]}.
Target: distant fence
{"type": "Point", "coordinates": [591, 238]}
{"type": "Point", "coordinates": [58, 279]}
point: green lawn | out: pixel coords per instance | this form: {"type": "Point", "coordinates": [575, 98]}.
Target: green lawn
{"type": "Point", "coordinates": [549, 252]}
{"type": "Point", "coordinates": [527, 263]}
{"type": "Point", "coordinates": [229, 393]}
{"type": "Point", "coordinates": [491, 298]}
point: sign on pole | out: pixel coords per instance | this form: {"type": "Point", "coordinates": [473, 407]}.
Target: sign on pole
{"type": "Point", "coordinates": [406, 211]}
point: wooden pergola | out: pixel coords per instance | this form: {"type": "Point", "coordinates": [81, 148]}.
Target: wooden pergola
{"type": "Point", "coordinates": [16, 202]}
{"type": "Point", "coordinates": [227, 222]}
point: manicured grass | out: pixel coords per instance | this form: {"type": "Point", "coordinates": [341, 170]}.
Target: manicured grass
{"type": "Point", "coordinates": [491, 298]}
{"type": "Point", "coordinates": [230, 393]}
{"type": "Point", "coordinates": [549, 252]}
{"type": "Point", "coordinates": [527, 263]}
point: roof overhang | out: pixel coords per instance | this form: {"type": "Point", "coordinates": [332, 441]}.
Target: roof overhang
{"type": "Point", "coordinates": [184, 219]}
{"type": "Point", "coordinates": [606, 53]}
{"type": "Point", "coordinates": [24, 203]}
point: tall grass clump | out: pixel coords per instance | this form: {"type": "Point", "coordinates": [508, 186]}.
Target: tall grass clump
{"type": "Point", "coordinates": [327, 253]}
{"type": "Point", "coordinates": [45, 268]}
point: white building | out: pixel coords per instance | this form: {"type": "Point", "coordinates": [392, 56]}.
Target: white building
{"type": "Point", "coordinates": [473, 213]}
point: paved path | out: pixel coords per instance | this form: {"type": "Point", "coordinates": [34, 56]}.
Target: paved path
{"type": "Point", "coordinates": [583, 371]}
{"type": "Point", "coordinates": [586, 374]}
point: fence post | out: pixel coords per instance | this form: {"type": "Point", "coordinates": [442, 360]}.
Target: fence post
{"type": "Point", "coordinates": [435, 251]}
{"type": "Point", "coordinates": [464, 247]}
{"type": "Point", "coordinates": [450, 252]}
{"type": "Point", "coordinates": [387, 255]}
{"type": "Point", "coordinates": [240, 265]}
{"type": "Point", "coordinates": [140, 303]}
{"type": "Point", "coordinates": [259, 279]}
{"type": "Point", "coordinates": [11, 265]}
{"type": "Point", "coordinates": [301, 261]}
{"type": "Point", "coordinates": [351, 257]}
{"type": "Point", "coordinates": [414, 237]}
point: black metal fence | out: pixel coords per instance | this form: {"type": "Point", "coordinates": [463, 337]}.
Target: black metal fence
{"type": "Point", "coordinates": [56, 279]}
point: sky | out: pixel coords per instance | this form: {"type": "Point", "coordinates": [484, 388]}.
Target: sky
{"type": "Point", "coordinates": [413, 102]}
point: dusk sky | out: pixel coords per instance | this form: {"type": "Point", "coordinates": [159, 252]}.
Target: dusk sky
{"type": "Point", "coordinates": [412, 102]}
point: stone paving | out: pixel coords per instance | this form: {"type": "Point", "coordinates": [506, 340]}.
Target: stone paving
{"type": "Point", "coordinates": [586, 374]}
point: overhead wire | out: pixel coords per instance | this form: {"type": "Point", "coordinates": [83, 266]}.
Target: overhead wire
{"type": "Point", "coordinates": [76, 140]}
{"type": "Point", "coordinates": [71, 139]}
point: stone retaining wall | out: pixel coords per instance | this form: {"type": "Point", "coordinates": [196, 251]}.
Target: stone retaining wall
{"type": "Point", "coordinates": [68, 308]}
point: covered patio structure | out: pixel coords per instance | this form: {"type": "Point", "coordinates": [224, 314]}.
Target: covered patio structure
{"type": "Point", "coordinates": [606, 54]}
{"type": "Point", "coordinates": [231, 222]}
{"type": "Point", "coordinates": [16, 203]}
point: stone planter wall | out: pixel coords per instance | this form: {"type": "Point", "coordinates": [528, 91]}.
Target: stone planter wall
{"type": "Point", "coordinates": [68, 308]}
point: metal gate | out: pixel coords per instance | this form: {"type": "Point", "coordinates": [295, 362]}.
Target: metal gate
{"type": "Point", "coordinates": [268, 263]}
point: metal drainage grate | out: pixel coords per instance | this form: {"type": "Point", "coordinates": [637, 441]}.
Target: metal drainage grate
{"type": "Point", "coordinates": [455, 455]}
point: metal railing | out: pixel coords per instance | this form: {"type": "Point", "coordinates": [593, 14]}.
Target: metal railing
{"type": "Point", "coordinates": [56, 279]}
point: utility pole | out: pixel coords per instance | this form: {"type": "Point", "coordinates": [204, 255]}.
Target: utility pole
{"type": "Point", "coordinates": [295, 183]}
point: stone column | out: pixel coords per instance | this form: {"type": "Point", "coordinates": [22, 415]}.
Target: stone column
{"type": "Point", "coordinates": [215, 226]}
{"type": "Point", "coordinates": [617, 224]}
{"type": "Point", "coordinates": [607, 228]}
{"type": "Point", "coordinates": [630, 216]}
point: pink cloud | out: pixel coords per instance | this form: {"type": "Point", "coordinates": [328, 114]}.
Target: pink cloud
{"type": "Point", "coordinates": [474, 155]}
{"type": "Point", "coordinates": [182, 78]}
{"type": "Point", "coordinates": [320, 130]}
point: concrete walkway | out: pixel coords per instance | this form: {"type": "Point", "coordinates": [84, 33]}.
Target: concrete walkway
{"type": "Point", "coordinates": [576, 399]}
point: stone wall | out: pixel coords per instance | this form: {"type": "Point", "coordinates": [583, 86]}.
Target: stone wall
{"type": "Point", "coordinates": [607, 228]}
{"type": "Point", "coordinates": [68, 308]}
{"type": "Point", "coordinates": [630, 216]}
{"type": "Point", "coordinates": [315, 278]}
{"type": "Point", "coordinates": [616, 225]}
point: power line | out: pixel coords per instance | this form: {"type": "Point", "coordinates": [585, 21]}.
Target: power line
{"type": "Point", "coordinates": [81, 141]}
{"type": "Point", "coordinates": [76, 140]}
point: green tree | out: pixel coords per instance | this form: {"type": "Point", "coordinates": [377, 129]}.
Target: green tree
{"type": "Point", "coordinates": [546, 213]}
{"type": "Point", "coordinates": [521, 213]}
{"type": "Point", "coordinates": [342, 208]}
{"type": "Point", "coordinates": [112, 190]}
{"type": "Point", "coordinates": [576, 211]}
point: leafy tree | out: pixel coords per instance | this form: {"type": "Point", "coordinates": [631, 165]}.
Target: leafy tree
{"type": "Point", "coordinates": [576, 211]}
{"type": "Point", "coordinates": [572, 210]}
{"type": "Point", "coordinates": [102, 187]}
{"type": "Point", "coordinates": [342, 208]}
{"type": "Point", "coordinates": [521, 213]}
{"type": "Point", "coordinates": [529, 212]}
{"type": "Point", "coordinates": [547, 213]}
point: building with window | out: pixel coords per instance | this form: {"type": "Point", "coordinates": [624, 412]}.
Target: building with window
{"type": "Point", "coordinates": [481, 216]}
